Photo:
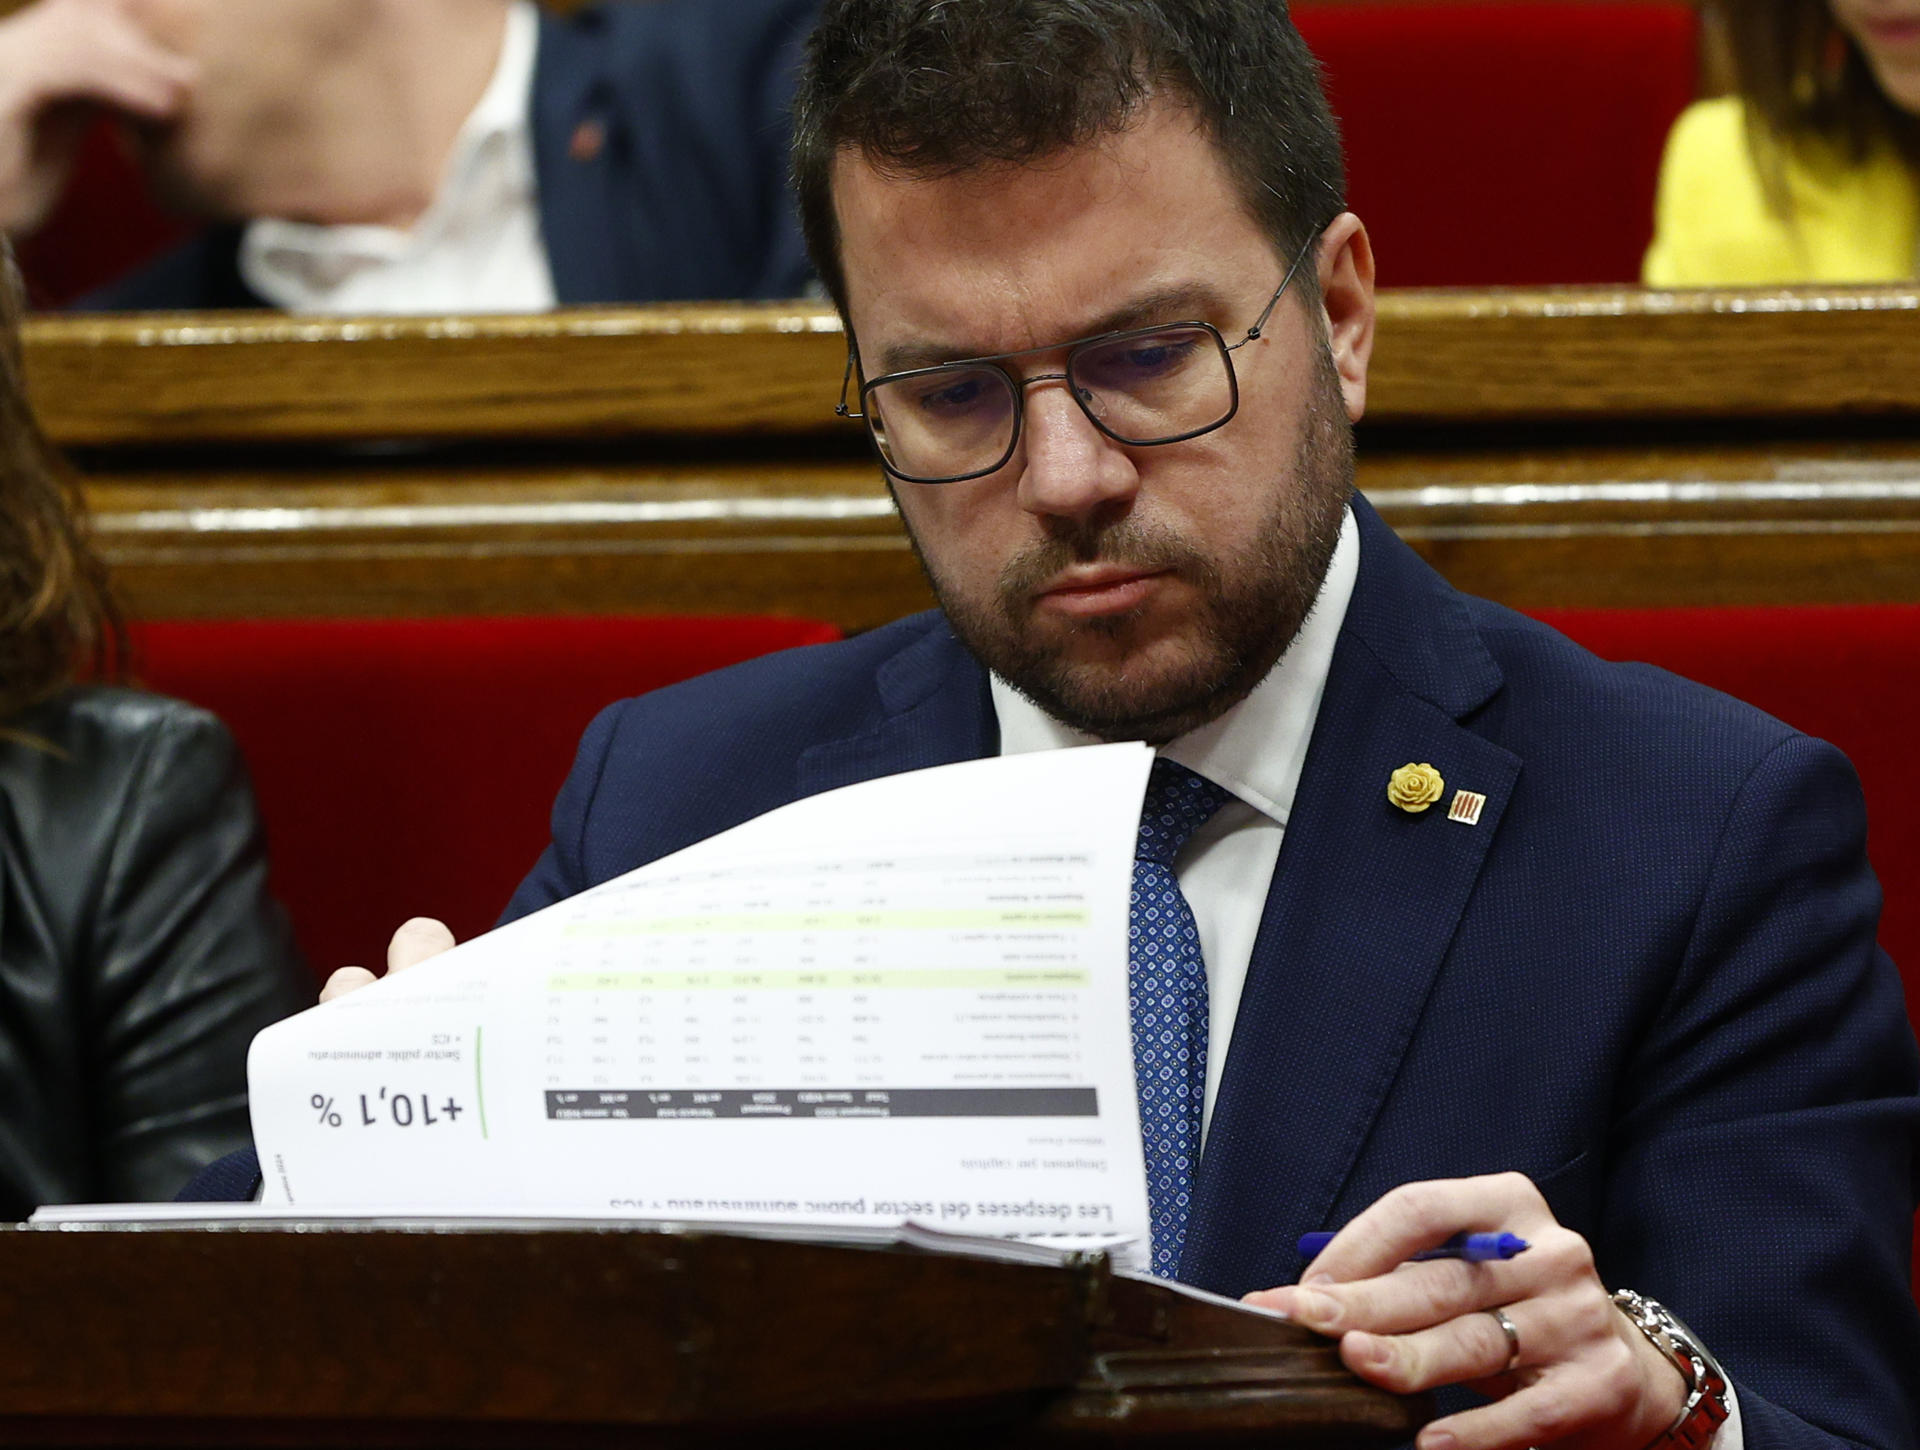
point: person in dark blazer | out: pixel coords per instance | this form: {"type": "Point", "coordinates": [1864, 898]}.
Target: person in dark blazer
{"type": "Point", "coordinates": [1492, 935]}
{"type": "Point", "coordinates": [1646, 979]}
{"type": "Point", "coordinates": [1538, 943]}
{"type": "Point", "coordinates": [428, 155]}
{"type": "Point", "coordinates": [139, 947]}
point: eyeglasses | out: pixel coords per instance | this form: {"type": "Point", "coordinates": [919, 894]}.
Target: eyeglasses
{"type": "Point", "coordinates": [1143, 387]}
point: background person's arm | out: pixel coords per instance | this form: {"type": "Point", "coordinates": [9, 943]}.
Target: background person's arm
{"type": "Point", "coordinates": [61, 62]}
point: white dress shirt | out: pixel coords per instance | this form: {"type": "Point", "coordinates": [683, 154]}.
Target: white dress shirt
{"type": "Point", "coordinates": [1255, 752]}
{"type": "Point", "coordinates": [477, 248]}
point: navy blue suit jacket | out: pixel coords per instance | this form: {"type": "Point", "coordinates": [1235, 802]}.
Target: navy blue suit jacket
{"type": "Point", "coordinates": [685, 197]}
{"type": "Point", "coordinates": [1647, 978]}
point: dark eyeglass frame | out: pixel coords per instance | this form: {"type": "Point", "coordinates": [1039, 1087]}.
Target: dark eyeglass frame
{"type": "Point", "coordinates": [1018, 386]}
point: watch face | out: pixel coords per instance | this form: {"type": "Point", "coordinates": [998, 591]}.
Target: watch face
{"type": "Point", "coordinates": [1661, 1325]}
{"type": "Point", "coordinates": [1692, 1345]}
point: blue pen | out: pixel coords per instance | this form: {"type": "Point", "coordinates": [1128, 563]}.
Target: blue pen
{"type": "Point", "coordinates": [1474, 1248]}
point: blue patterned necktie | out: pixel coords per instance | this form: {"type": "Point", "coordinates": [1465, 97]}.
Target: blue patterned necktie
{"type": "Point", "coordinates": [1167, 999]}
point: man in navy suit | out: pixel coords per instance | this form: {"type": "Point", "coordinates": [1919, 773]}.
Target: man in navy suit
{"type": "Point", "coordinates": [1496, 936]}
{"type": "Point", "coordinates": [426, 155]}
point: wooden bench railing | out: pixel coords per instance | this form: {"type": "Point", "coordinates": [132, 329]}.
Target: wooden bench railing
{"type": "Point", "coordinates": [1573, 447]}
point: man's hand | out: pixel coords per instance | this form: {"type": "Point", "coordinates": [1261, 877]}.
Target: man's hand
{"type": "Point", "coordinates": [1584, 1378]}
{"type": "Point", "coordinates": [417, 939]}
{"type": "Point", "coordinates": [60, 62]}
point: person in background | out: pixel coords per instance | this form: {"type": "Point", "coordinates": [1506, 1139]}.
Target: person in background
{"type": "Point", "coordinates": [1807, 173]}
{"type": "Point", "coordinates": [425, 156]}
{"type": "Point", "coordinates": [139, 949]}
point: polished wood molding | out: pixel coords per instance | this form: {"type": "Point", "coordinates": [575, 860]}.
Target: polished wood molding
{"type": "Point", "coordinates": [814, 539]}
{"type": "Point", "coordinates": [1558, 523]}
{"type": "Point", "coordinates": [609, 1335]}
{"type": "Point", "coordinates": [161, 378]}
{"type": "Point", "coordinates": [1545, 448]}
{"type": "Point", "coordinates": [1623, 354]}
{"type": "Point", "coordinates": [1562, 526]}
{"type": "Point", "coordinates": [1441, 357]}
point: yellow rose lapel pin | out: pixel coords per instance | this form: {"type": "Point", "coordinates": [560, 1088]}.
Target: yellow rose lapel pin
{"type": "Point", "coordinates": [1415, 787]}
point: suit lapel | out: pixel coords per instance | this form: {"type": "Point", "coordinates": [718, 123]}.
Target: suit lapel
{"type": "Point", "coordinates": [577, 146]}
{"type": "Point", "coordinates": [1364, 903]}
{"type": "Point", "coordinates": [936, 710]}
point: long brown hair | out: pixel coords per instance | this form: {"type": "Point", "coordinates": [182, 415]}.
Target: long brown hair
{"type": "Point", "coordinates": [1805, 80]}
{"type": "Point", "coordinates": [57, 617]}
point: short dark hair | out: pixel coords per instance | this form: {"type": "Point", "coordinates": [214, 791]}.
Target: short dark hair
{"type": "Point", "coordinates": [57, 616]}
{"type": "Point", "coordinates": [937, 87]}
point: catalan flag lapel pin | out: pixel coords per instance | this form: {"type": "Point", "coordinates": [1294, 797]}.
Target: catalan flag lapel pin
{"type": "Point", "coordinates": [1466, 807]}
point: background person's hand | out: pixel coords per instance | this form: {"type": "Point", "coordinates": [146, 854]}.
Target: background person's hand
{"type": "Point", "coordinates": [1585, 1376]}
{"type": "Point", "coordinates": [419, 938]}
{"type": "Point", "coordinates": [61, 62]}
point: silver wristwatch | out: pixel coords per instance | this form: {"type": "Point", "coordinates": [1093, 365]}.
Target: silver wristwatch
{"type": "Point", "coordinates": [1706, 1407]}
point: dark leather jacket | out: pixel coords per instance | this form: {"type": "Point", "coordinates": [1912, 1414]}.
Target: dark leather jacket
{"type": "Point", "coordinates": [139, 949]}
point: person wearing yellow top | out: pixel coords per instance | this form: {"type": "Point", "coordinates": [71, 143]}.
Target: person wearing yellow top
{"type": "Point", "coordinates": [1807, 174]}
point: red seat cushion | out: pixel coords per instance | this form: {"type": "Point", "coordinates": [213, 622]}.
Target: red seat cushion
{"type": "Point", "coordinates": [1505, 144]}
{"type": "Point", "coordinates": [406, 767]}
{"type": "Point", "coordinates": [1845, 673]}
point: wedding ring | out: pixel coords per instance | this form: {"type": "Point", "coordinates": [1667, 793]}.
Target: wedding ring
{"type": "Point", "coordinates": [1513, 1338]}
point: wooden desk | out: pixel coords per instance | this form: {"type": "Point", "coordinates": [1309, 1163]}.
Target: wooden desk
{"type": "Point", "coordinates": [578, 1336]}
{"type": "Point", "coordinates": [1573, 447]}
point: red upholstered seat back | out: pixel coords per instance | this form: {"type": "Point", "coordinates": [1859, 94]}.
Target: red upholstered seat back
{"type": "Point", "coordinates": [106, 225]}
{"type": "Point", "coordinates": [1505, 143]}
{"type": "Point", "coordinates": [1846, 673]}
{"type": "Point", "coordinates": [406, 767]}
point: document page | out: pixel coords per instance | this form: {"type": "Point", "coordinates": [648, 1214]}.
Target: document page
{"type": "Point", "coordinates": [902, 1000]}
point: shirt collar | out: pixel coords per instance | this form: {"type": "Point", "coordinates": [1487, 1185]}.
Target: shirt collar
{"type": "Point", "coordinates": [507, 103]}
{"type": "Point", "coordinates": [490, 166]}
{"type": "Point", "coordinates": [1257, 749]}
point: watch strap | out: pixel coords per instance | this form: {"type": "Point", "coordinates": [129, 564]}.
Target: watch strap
{"type": "Point", "coordinates": [1706, 1408]}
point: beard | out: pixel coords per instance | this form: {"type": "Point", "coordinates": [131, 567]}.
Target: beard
{"type": "Point", "coordinates": [1252, 600]}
